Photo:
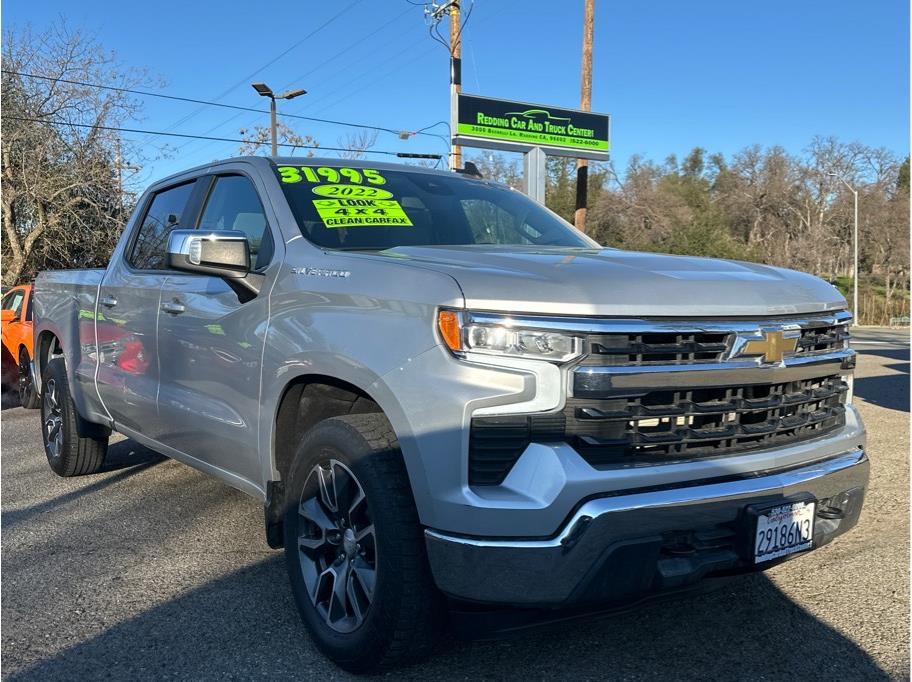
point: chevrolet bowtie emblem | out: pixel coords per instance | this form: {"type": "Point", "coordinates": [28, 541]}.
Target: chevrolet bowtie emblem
{"type": "Point", "coordinates": [774, 346]}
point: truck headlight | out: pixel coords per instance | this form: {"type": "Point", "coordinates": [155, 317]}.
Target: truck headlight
{"type": "Point", "coordinates": [462, 335]}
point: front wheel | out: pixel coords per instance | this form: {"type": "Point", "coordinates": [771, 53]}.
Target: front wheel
{"type": "Point", "coordinates": [28, 396]}
{"type": "Point", "coordinates": [68, 453]}
{"type": "Point", "coordinates": [355, 549]}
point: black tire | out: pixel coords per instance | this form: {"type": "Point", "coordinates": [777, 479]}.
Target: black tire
{"type": "Point", "coordinates": [404, 614]}
{"type": "Point", "coordinates": [67, 453]}
{"type": "Point", "coordinates": [28, 396]}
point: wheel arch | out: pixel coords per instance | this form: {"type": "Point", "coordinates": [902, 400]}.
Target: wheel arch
{"type": "Point", "coordinates": [305, 400]}
{"type": "Point", "coordinates": [46, 345]}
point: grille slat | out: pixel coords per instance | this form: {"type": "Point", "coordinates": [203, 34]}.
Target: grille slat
{"type": "Point", "coordinates": [620, 350]}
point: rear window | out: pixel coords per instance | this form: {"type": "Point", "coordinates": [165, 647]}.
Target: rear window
{"type": "Point", "coordinates": [373, 209]}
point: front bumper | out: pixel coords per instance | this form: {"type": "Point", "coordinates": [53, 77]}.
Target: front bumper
{"type": "Point", "coordinates": [629, 545]}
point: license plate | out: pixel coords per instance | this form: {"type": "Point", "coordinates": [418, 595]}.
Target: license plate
{"type": "Point", "coordinates": [784, 530]}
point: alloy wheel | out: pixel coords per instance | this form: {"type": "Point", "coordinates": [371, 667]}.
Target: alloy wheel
{"type": "Point", "coordinates": [337, 545]}
{"type": "Point", "coordinates": [53, 419]}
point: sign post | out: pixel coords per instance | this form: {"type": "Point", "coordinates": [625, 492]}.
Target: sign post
{"type": "Point", "coordinates": [535, 173]}
{"type": "Point", "coordinates": [536, 130]}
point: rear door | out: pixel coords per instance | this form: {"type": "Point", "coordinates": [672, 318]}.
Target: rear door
{"type": "Point", "coordinates": [211, 341]}
{"type": "Point", "coordinates": [127, 312]}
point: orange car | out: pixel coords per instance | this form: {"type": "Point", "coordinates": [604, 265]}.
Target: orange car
{"type": "Point", "coordinates": [16, 317]}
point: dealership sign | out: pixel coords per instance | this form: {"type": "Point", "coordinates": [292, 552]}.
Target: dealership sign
{"type": "Point", "coordinates": [519, 126]}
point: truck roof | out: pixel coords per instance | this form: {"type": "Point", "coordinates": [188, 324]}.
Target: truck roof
{"type": "Point", "coordinates": [310, 161]}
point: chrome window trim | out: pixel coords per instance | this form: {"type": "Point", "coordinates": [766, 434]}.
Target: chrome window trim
{"type": "Point", "coordinates": [604, 325]}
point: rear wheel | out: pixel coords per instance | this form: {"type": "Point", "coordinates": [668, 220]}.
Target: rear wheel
{"type": "Point", "coordinates": [28, 396]}
{"type": "Point", "coordinates": [68, 454]}
{"type": "Point", "coordinates": [355, 549]}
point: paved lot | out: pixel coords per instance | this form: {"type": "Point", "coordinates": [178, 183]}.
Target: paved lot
{"type": "Point", "coordinates": [153, 570]}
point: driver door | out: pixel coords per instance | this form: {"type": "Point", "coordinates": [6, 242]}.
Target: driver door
{"type": "Point", "coordinates": [211, 341]}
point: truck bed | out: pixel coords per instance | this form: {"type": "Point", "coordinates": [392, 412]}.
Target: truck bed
{"type": "Point", "coordinates": [65, 304]}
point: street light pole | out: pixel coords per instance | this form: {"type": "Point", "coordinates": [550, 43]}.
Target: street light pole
{"type": "Point", "coordinates": [273, 126]}
{"type": "Point", "coordinates": [265, 91]}
{"type": "Point", "coordinates": [855, 314]}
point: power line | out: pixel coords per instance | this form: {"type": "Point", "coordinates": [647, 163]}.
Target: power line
{"type": "Point", "coordinates": [272, 61]}
{"type": "Point", "coordinates": [310, 35]}
{"type": "Point", "coordinates": [197, 137]}
{"type": "Point", "coordinates": [344, 50]}
{"type": "Point", "coordinates": [201, 101]}
{"type": "Point", "coordinates": [341, 52]}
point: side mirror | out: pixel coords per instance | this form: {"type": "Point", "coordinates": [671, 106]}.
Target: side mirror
{"type": "Point", "coordinates": [7, 315]}
{"type": "Point", "coordinates": [222, 253]}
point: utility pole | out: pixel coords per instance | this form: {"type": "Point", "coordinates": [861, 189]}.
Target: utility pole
{"type": "Point", "coordinates": [120, 176]}
{"type": "Point", "coordinates": [455, 73]}
{"type": "Point", "coordinates": [121, 166]}
{"type": "Point", "coordinates": [856, 316]}
{"type": "Point", "coordinates": [582, 165]}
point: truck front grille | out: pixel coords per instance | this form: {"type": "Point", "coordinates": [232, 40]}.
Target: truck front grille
{"type": "Point", "coordinates": [648, 392]}
{"type": "Point", "coordinates": [663, 426]}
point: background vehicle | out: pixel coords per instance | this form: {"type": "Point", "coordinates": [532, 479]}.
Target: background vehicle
{"type": "Point", "coordinates": [445, 395]}
{"type": "Point", "coordinates": [17, 340]}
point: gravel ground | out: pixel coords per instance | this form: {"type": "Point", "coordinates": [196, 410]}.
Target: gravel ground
{"type": "Point", "coordinates": [152, 570]}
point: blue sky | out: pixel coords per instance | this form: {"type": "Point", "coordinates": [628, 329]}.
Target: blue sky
{"type": "Point", "coordinates": [673, 75]}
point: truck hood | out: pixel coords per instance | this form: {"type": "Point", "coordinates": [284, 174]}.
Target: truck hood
{"type": "Point", "coordinates": [610, 282]}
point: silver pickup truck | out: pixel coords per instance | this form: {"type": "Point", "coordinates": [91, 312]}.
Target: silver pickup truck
{"type": "Point", "coordinates": [451, 401]}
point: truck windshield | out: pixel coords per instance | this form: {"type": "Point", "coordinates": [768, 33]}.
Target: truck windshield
{"type": "Point", "coordinates": [374, 209]}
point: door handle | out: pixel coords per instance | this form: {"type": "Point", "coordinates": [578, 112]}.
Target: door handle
{"type": "Point", "coordinates": [108, 301]}
{"type": "Point", "coordinates": [173, 307]}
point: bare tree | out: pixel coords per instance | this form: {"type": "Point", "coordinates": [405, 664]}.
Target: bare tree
{"type": "Point", "coordinates": [257, 140]}
{"type": "Point", "coordinates": [62, 204]}
{"type": "Point", "coordinates": [356, 144]}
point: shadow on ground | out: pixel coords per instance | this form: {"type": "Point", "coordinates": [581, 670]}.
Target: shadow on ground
{"type": "Point", "coordinates": [751, 623]}
{"type": "Point", "coordinates": [9, 376]}
{"type": "Point", "coordinates": [887, 390]}
{"type": "Point", "coordinates": [126, 457]}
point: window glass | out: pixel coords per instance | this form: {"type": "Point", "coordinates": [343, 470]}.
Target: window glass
{"type": "Point", "coordinates": [28, 309]}
{"type": "Point", "coordinates": [164, 215]}
{"type": "Point", "coordinates": [13, 301]}
{"type": "Point", "coordinates": [233, 204]}
{"type": "Point", "coordinates": [370, 209]}
{"type": "Point", "coordinates": [490, 223]}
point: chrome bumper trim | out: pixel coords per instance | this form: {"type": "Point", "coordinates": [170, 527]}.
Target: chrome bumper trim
{"type": "Point", "coordinates": [611, 548]}
{"type": "Point", "coordinates": [674, 497]}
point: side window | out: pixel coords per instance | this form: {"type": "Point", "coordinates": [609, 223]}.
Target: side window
{"type": "Point", "coordinates": [164, 215]}
{"type": "Point", "coordinates": [233, 204]}
{"type": "Point", "coordinates": [13, 301]}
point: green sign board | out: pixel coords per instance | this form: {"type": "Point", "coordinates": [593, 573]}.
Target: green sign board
{"type": "Point", "coordinates": [518, 126]}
